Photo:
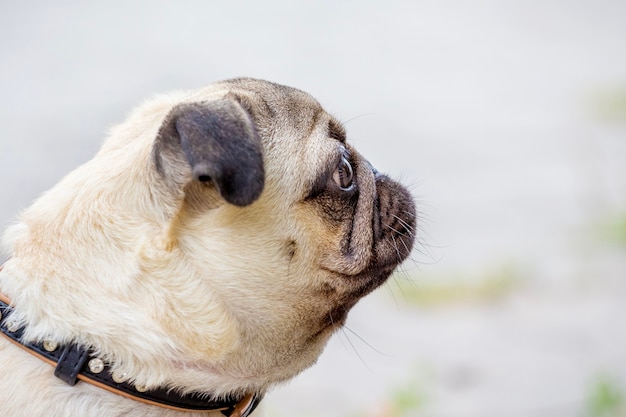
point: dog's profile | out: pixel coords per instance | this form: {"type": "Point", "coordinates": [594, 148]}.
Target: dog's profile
{"type": "Point", "coordinates": [206, 253]}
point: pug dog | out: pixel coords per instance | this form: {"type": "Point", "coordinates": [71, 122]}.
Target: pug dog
{"type": "Point", "coordinates": [204, 255]}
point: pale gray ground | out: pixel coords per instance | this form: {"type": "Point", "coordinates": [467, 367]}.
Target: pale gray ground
{"type": "Point", "coordinates": [488, 108]}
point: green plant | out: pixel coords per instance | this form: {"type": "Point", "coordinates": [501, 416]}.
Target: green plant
{"type": "Point", "coordinates": [403, 401]}
{"type": "Point", "coordinates": [616, 230]}
{"type": "Point", "coordinates": [459, 288]}
{"type": "Point", "coordinates": [606, 399]}
{"type": "Point", "coordinates": [610, 104]}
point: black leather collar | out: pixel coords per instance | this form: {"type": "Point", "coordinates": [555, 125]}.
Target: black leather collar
{"type": "Point", "coordinates": [75, 362]}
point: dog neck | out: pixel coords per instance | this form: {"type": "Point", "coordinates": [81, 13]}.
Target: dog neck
{"type": "Point", "coordinates": [73, 363]}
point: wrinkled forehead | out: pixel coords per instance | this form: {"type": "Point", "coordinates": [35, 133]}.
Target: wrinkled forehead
{"type": "Point", "coordinates": [299, 136]}
{"type": "Point", "coordinates": [276, 108]}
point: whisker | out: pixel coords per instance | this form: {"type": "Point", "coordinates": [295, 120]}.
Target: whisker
{"type": "Point", "coordinates": [344, 123]}
{"type": "Point", "coordinates": [343, 330]}
{"type": "Point", "coordinates": [402, 290]}
{"type": "Point", "coordinates": [391, 228]}
{"type": "Point", "coordinates": [395, 246]}
{"type": "Point", "coordinates": [395, 243]}
{"type": "Point", "coordinates": [406, 248]}
{"type": "Point", "coordinates": [366, 343]}
{"type": "Point", "coordinates": [393, 296]}
{"type": "Point", "coordinates": [407, 226]}
{"type": "Point", "coordinates": [406, 277]}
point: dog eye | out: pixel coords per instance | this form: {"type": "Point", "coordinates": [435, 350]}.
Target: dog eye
{"type": "Point", "coordinates": [343, 175]}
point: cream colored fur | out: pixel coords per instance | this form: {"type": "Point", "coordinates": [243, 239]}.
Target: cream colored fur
{"type": "Point", "coordinates": [176, 288]}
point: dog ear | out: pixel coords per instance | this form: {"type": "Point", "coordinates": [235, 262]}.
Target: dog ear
{"type": "Point", "coordinates": [214, 141]}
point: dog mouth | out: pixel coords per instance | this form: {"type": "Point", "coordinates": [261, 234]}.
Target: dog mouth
{"type": "Point", "coordinates": [393, 221]}
{"type": "Point", "coordinates": [393, 225]}
{"type": "Point", "coordinates": [393, 234]}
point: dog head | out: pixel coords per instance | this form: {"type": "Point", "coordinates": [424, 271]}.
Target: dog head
{"type": "Point", "coordinates": [216, 241]}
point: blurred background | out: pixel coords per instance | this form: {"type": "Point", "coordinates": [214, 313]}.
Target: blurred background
{"type": "Point", "coordinates": [507, 118]}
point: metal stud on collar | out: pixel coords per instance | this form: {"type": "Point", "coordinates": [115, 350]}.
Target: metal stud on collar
{"type": "Point", "coordinates": [96, 365]}
{"type": "Point", "coordinates": [74, 361]}
{"type": "Point", "coordinates": [12, 325]}
{"type": "Point", "coordinates": [119, 376]}
{"type": "Point", "coordinates": [50, 345]}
